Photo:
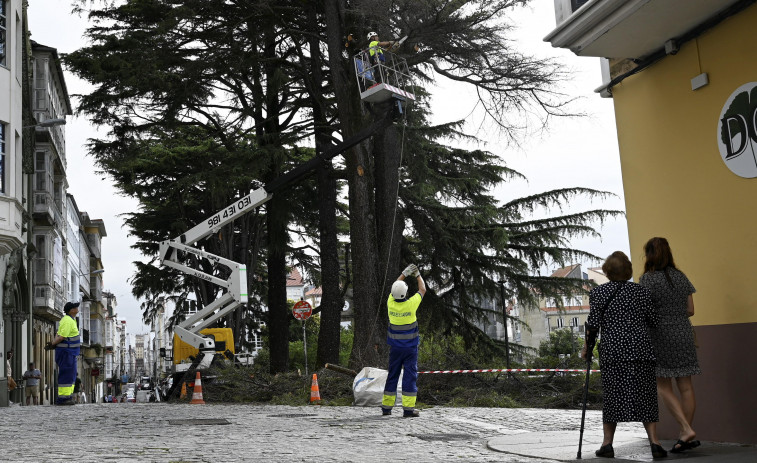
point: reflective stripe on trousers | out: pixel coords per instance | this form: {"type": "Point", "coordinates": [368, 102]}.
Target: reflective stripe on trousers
{"type": "Point", "coordinates": [65, 358]}
{"type": "Point", "coordinates": [72, 342]}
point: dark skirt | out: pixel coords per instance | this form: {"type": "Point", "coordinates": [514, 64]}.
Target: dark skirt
{"type": "Point", "coordinates": [629, 391]}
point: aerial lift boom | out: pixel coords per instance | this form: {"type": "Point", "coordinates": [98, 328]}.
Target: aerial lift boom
{"type": "Point", "coordinates": [173, 253]}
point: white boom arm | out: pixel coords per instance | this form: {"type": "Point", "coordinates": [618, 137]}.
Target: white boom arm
{"type": "Point", "coordinates": [235, 284]}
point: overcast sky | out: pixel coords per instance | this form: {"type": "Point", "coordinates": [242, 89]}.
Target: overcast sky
{"type": "Point", "coordinates": [574, 152]}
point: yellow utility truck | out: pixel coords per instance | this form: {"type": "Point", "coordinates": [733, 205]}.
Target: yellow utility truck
{"type": "Point", "coordinates": [183, 353]}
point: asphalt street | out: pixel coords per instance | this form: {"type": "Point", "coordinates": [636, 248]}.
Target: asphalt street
{"type": "Point", "coordinates": [163, 432]}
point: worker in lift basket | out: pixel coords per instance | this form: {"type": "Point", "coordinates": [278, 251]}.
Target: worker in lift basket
{"type": "Point", "coordinates": [375, 48]}
{"type": "Point", "coordinates": [402, 337]}
{"type": "Point", "coordinates": [376, 55]}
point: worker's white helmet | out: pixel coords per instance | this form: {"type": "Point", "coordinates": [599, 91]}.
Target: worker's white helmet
{"type": "Point", "coordinates": [399, 290]}
{"type": "Point", "coordinates": [371, 34]}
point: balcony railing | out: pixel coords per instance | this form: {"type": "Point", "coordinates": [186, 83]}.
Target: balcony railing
{"type": "Point", "coordinates": [43, 296]}
{"type": "Point", "coordinates": [44, 204]}
{"type": "Point", "coordinates": [96, 333]}
{"type": "Point", "coordinates": [95, 289]}
{"type": "Point", "coordinates": [56, 133]}
{"type": "Point", "coordinates": [60, 301]}
{"type": "Point", "coordinates": [43, 271]}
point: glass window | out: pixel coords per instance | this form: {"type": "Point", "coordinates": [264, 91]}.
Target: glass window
{"type": "Point", "coordinates": [560, 322]}
{"type": "Point", "coordinates": [40, 90]}
{"type": "Point", "coordinates": [3, 144]}
{"type": "Point", "coordinates": [43, 173]}
{"type": "Point", "coordinates": [576, 4]}
{"type": "Point", "coordinates": [39, 162]}
{"type": "Point", "coordinates": [41, 185]}
{"type": "Point", "coordinates": [3, 31]}
{"type": "Point", "coordinates": [19, 49]}
{"type": "Point", "coordinates": [40, 245]}
{"type": "Point", "coordinates": [42, 261]}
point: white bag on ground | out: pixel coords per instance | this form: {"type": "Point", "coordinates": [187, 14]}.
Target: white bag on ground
{"type": "Point", "coordinates": [368, 387]}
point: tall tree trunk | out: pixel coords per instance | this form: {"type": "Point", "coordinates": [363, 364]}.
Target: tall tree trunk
{"type": "Point", "coordinates": [331, 300]}
{"type": "Point", "coordinates": [369, 340]}
{"type": "Point", "coordinates": [276, 213]}
{"type": "Point", "coordinates": [278, 310]}
{"type": "Point", "coordinates": [390, 222]}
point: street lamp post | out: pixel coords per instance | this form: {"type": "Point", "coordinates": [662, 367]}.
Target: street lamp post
{"type": "Point", "coordinates": [504, 320]}
{"type": "Point", "coordinates": [47, 123]}
{"type": "Point", "coordinates": [94, 272]}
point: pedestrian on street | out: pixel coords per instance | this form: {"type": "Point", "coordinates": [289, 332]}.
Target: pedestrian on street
{"type": "Point", "coordinates": [66, 345]}
{"type": "Point", "coordinates": [673, 338]}
{"type": "Point", "coordinates": [77, 391]}
{"type": "Point", "coordinates": [9, 370]}
{"type": "Point", "coordinates": [623, 313]}
{"type": "Point", "coordinates": [32, 376]}
{"type": "Point", "coordinates": [403, 340]}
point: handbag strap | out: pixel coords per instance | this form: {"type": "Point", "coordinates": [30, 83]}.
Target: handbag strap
{"type": "Point", "coordinates": [595, 330]}
{"type": "Point", "coordinates": [607, 304]}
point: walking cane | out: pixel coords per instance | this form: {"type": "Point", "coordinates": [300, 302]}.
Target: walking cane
{"type": "Point", "coordinates": [590, 340]}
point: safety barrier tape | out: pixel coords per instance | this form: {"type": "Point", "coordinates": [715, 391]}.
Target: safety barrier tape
{"type": "Point", "coordinates": [513, 370]}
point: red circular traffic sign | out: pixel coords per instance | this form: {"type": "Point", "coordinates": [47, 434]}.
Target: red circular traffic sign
{"type": "Point", "coordinates": [302, 310]}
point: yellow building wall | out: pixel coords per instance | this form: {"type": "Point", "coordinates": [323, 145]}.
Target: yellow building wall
{"type": "Point", "coordinates": [676, 184]}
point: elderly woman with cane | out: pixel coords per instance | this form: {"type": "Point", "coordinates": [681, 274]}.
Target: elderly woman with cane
{"type": "Point", "coordinates": [623, 313]}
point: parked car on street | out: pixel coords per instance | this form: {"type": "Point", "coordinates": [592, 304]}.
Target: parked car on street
{"type": "Point", "coordinates": [145, 383]}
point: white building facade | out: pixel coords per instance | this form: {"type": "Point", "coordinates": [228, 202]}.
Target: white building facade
{"type": "Point", "coordinates": [15, 319]}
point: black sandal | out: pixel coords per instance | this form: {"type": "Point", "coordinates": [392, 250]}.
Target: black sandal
{"type": "Point", "coordinates": [605, 451]}
{"type": "Point", "coordinates": [658, 451]}
{"type": "Point", "coordinates": [681, 446]}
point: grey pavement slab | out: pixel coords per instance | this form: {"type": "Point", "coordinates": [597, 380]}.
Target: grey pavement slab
{"type": "Point", "coordinates": [563, 445]}
{"type": "Point", "coordinates": [160, 432]}
{"type": "Point", "coordinates": [628, 446]}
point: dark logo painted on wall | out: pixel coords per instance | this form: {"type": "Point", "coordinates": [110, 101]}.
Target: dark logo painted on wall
{"type": "Point", "coordinates": [737, 131]}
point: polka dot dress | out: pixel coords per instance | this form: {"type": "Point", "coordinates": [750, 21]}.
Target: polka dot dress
{"type": "Point", "coordinates": [673, 337]}
{"type": "Point", "coordinates": [626, 355]}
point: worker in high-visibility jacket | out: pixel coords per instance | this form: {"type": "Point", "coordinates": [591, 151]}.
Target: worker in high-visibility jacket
{"type": "Point", "coordinates": [66, 345]}
{"type": "Point", "coordinates": [376, 55]}
{"type": "Point", "coordinates": [403, 340]}
{"type": "Point", "coordinates": [376, 47]}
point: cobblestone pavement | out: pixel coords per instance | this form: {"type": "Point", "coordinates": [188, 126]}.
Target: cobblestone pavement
{"type": "Point", "coordinates": [265, 433]}
{"type": "Point", "coordinates": [155, 432]}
